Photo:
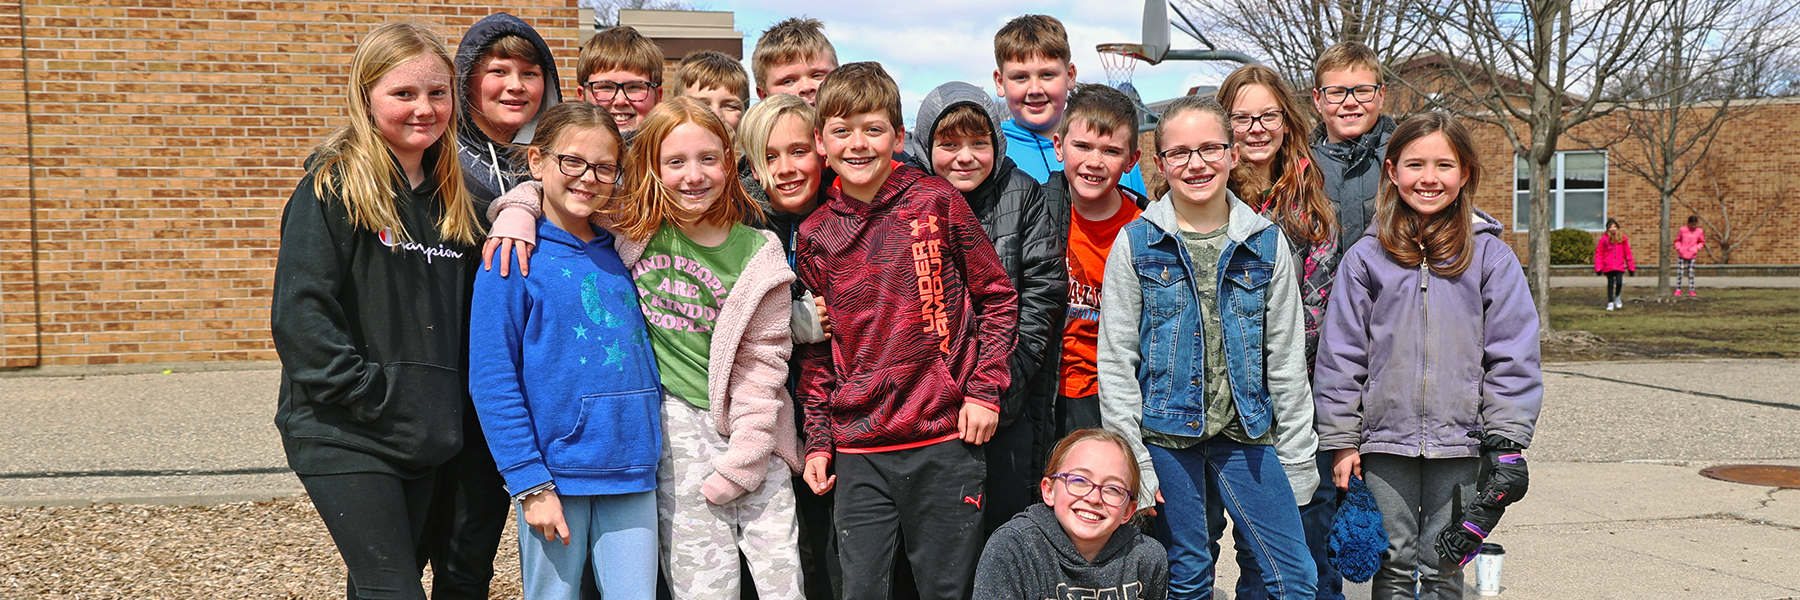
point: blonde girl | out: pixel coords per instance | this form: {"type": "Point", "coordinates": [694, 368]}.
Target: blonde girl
{"type": "Point", "coordinates": [371, 309]}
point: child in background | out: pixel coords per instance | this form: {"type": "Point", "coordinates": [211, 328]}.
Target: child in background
{"type": "Point", "coordinates": [1612, 259]}
{"type": "Point", "coordinates": [1033, 73]}
{"type": "Point", "coordinates": [565, 381]}
{"type": "Point", "coordinates": [1352, 133]}
{"type": "Point", "coordinates": [1075, 543]}
{"type": "Point", "coordinates": [1097, 145]}
{"type": "Point", "coordinates": [621, 70]}
{"type": "Point", "coordinates": [959, 138]}
{"type": "Point", "coordinates": [792, 57]}
{"type": "Point", "coordinates": [1279, 180]}
{"type": "Point", "coordinates": [909, 384]}
{"type": "Point", "coordinates": [371, 309]}
{"type": "Point", "coordinates": [717, 81]}
{"type": "Point", "coordinates": [1203, 365]}
{"type": "Point", "coordinates": [1688, 243]}
{"type": "Point", "coordinates": [1430, 352]}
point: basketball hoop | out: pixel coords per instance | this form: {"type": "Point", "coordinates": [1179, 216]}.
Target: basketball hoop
{"type": "Point", "coordinates": [1120, 60]}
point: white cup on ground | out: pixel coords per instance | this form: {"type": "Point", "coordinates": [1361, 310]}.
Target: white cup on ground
{"type": "Point", "coordinates": [1487, 569]}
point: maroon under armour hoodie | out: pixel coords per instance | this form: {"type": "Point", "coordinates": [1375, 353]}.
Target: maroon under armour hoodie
{"type": "Point", "coordinates": [922, 315]}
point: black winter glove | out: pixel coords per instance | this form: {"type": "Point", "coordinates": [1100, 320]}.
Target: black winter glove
{"type": "Point", "coordinates": [1633, 273]}
{"type": "Point", "coordinates": [1503, 480]}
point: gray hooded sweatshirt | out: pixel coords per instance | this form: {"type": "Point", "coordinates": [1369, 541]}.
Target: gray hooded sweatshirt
{"type": "Point", "coordinates": [1031, 557]}
{"type": "Point", "coordinates": [1284, 352]}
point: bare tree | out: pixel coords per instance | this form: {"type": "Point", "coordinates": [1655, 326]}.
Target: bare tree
{"type": "Point", "coordinates": [1732, 212]}
{"type": "Point", "coordinates": [606, 12]}
{"type": "Point", "coordinates": [1532, 69]}
{"type": "Point", "coordinates": [1289, 35]}
{"type": "Point", "coordinates": [1714, 54]}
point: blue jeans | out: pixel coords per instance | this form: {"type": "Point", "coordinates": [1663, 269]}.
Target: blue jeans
{"type": "Point", "coordinates": [1249, 482]}
{"type": "Point", "coordinates": [1316, 517]}
{"type": "Point", "coordinates": [616, 532]}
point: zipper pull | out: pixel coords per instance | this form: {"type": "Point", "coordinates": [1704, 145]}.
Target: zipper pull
{"type": "Point", "coordinates": [1424, 274]}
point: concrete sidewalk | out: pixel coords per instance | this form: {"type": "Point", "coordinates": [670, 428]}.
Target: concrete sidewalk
{"type": "Point", "coordinates": [1648, 279]}
{"type": "Point", "coordinates": [1616, 508]}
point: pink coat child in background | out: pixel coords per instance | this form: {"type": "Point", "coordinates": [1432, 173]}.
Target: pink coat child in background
{"type": "Point", "coordinates": [1612, 258]}
{"type": "Point", "coordinates": [1688, 243]}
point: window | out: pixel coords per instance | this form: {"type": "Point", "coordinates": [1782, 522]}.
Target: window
{"type": "Point", "coordinates": [1577, 191]}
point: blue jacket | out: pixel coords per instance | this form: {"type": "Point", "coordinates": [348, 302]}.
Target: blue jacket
{"type": "Point", "coordinates": [562, 372]}
{"type": "Point", "coordinates": [1037, 156]}
{"type": "Point", "coordinates": [1152, 353]}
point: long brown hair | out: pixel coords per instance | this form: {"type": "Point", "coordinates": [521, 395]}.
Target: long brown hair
{"type": "Point", "coordinates": [1445, 239]}
{"type": "Point", "coordinates": [645, 201]}
{"type": "Point", "coordinates": [1296, 199]}
{"type": "Point", "coordinates": [354, 160]}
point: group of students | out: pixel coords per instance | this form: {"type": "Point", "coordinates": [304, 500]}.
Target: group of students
{"type": "Point", "coordinates": [789, 345]}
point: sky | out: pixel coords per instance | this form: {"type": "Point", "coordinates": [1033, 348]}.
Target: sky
{"type": "Point", "coordinates": [925, 43]}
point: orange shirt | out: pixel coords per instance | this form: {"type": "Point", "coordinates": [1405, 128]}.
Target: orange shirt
{"type": "Point", "coordinates": [1089, 243]}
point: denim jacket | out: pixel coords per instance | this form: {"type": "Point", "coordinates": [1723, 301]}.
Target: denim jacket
{"type": "Point", "coordinates": [1152, 354]}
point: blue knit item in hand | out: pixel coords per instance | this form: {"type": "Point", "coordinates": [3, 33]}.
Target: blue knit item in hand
{"type": "Point", "coordinates": [1357, 538]}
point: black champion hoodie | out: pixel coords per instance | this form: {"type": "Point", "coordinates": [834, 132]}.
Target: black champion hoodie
{"type": "Point", "coordinates": [373, 337]}
{"type": "Point", "coordinates": [1030, 557]}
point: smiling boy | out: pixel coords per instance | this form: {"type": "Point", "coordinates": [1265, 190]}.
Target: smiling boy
{"type": "Point", "coordinates": [621, 70]}
{"type": "Point", "coordinates": [1034, 74]}
{"type": "Point", "coordinates": [793, 57]}
{"type": "Point", "coordinates": [908, 387]}
{"type": "Point", "coordinates": [1352, 134]}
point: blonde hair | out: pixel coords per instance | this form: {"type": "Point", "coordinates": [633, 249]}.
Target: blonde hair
{"type": "Point", "coordinates": [1296, 197]}
{"type": "Point", "coordinates": [704, 69]}
{"type": "Point", "coordinates": [759, 124]}
{"type": "Point", "coordinates": [354, 162]}
{"type": "Point", "coordinates": [790, 41]}
{"type": "Point", "coordinates": [1029, 36]}
{"type": "Point", "coordinates": [648, 202]}
{"type": "Point", "coordinates": [1185, 104]}
{"type": "Point", "coordinates": [859, 88]}
{"type": "Point", "coordinates": [620, 49]}
{"type": "Point", "coordinates": [1348, 56]}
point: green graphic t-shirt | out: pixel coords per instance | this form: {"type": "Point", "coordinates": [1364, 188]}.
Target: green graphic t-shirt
{"type": "Point", "coordinates": [681, 286]}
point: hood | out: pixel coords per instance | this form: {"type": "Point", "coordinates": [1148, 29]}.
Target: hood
{"type": "Point", "coordinates": [481, 36]}
{"type": "Point", "coordinates": [1243, 222]}
{"type": "Point", "coordinates": [940, 101]}
{"type": "Point", "coordinates": [1484, 223]}
{"type": "Point", "coordinates": [1365, 147]}
{"type": "Point", "coordinates": [1043, 519]}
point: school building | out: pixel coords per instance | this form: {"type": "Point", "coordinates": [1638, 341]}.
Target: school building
{"type": "Point", "coordinates": [147, 148]}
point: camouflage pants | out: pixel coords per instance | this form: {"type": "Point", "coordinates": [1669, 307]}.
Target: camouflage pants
{"type": "Point", "coordinates": [701, 541]}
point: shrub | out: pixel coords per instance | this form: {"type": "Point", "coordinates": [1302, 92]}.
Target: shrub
{"type": "Point", "coordinates": [1571, 247]}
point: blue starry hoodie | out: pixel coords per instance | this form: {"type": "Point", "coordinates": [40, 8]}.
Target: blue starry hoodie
{"type": "Point", "coordinates": [562, 373]}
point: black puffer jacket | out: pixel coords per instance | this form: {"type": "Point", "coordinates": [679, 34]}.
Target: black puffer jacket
{"type": "Point", "coordinates": [488, 166]}
{"type": "Point", "coordinates": [1032, 244]}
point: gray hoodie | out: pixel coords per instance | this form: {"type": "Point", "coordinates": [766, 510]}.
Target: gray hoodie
{"type": "Point", "coordinates": [1284, 352]}
{"type": "Point", "coordinates": [1411, 362]}
{"type": "Point", "coordinates": [1352, 170]}
{"type": "Point", "coordinates": [1031, 557]}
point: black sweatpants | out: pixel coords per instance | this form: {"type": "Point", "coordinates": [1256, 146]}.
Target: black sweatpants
{"type": "Point", "coordinates": [1615, 285]}
{"type": "Point", "coordinates": [469, 510]}
{"type": "Point", "coordinates": [1011, 480]}
{"type": "Point", "coordinates": [928, 499]}
{"type": "Point", "coordinates": [376, 520]}
{"type": "Point", "coordinates": [820, 575]}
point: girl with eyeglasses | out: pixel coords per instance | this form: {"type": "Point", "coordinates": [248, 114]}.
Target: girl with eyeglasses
{"type": "Point", "coordinates": [1076, 539]}
{"type": "Point", "coordinates": [1202, 362]}
{"type": "Point", "coordinates": [1279, 180]}
{"type": "Point", "coordinates": [564, 379]}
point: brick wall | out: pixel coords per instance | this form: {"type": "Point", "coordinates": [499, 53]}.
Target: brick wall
{"type": "Point", "coordinates": [141, 194]}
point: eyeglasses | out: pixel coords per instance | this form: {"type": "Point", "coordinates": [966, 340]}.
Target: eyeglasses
{"type": "Point", "coordinates": [1080, 487]}
{"type": "Point", "coordinates": [1271, 121]}
{"type": "Point", "coordinates": [1176, 157]}
{"type": "Point", "coordinates": [605, 91]}
{"type": "Point", "coordinates": [1336, 94]}
{"type": "Point", "coordinates": [574, 166]}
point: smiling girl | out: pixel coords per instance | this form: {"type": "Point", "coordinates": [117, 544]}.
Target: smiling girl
{"type": "Point", "coordinates": [371, 308]}
{"type": "Point", "coordinates": [1202, 362]}
{"type": "Point", "coordinates": [1076, 539]}
{"type": "Point", "coordinates": [1429, 357]}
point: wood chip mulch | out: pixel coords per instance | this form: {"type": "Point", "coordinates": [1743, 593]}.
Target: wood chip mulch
{"type": "Point", "coordinates": [275, 549]}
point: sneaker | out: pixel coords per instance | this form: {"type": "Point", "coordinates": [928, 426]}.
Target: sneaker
{"type": "Point", "coordinates": [1678, 293]}
{"type": "Point", "coordinates": [1693, 293]}
{"type": "Point", "coordinates": [1609, 306]}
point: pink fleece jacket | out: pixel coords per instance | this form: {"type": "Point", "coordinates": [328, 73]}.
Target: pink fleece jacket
{"type": "Point", "coordinates": [1689, 241]}
{"type": "Point", "coordinates": [748, 360]}
{"type": "Point", "coordinates": [1611, 256]}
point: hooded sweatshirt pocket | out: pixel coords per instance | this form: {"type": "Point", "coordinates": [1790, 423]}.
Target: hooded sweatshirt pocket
{"type": "Point", "coordinates": [615, 431]}
{"type": "Point", "coordinates": [418, 416]}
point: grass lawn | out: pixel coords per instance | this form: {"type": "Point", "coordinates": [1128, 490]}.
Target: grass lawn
{"type": "Point", "coordinates": [1720, 323]}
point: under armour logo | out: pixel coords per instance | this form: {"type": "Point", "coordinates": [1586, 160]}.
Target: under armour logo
{"type": "Point", "coordinates": [929, 222]}
{"type": "Point", "coordinates": [975, 500]}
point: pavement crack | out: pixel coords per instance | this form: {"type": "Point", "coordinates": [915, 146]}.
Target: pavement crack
{"type": "Point", "coordinates": [1781, 405]}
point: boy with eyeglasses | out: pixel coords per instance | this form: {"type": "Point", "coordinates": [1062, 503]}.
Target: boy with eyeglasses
{"type": "Point", "coordinates": [1352, 135]}
{"type": "Point", "coordinates": [621, 70]}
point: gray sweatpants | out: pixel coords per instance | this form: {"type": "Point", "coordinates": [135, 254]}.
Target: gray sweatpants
{"type": "Point", "coordinates": [1415, 496]}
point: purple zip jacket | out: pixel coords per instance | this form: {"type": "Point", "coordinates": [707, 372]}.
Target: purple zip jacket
{"type": "Point", "coordinates": [1411, 362]}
